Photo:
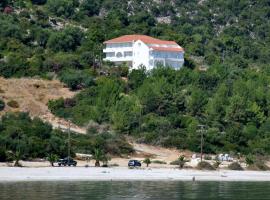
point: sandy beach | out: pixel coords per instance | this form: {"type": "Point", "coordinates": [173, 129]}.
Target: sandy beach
{"type": "Point", "coordinates": [122, 174]}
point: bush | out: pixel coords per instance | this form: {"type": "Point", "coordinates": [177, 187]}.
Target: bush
{"type": "Point", "coordinates": [147, 161]}
{"type": "Point", "coordinates": [2, 105]}
{"type": "Point", "coordinates": [175, 162]}
{"type": "Point", "coordinates": [216, 164]}
{"type": "Point", "coordinates": [180, 161]}
{"type": "Point", "coordinates": [206, 157]}
{"type": "Point", "coordinates": [1, 90]}
{"type": "Point", "coordinates": [235, 166]}
{"type": "Point", "coordinates": [159, 162]}
{"type": "Point", "coordinates": [258, 165]}
{"type": "Point", "coordinates": [76, 79]}
{"type": "Point", "coordinates": [3, 155]}
{"type": "Point", "coordinates": [249, 160]}
{"type": "Point", "coordinates": [114, 165]}
{"type": "Point", "coordinates": [13, 104]}
{"type": "Point", "coordinates": [205, 166]}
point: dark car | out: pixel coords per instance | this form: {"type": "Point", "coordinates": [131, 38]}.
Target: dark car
{"type": "Point", "coordinates": [134, 163]}
{"type": "Point", "coordinates": [67, 162]}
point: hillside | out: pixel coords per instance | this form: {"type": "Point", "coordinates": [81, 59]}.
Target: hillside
{"type": "Point", "coordinates": [63, 39]}
{"type": "Point", "coordinates": [54, 36]}
{"type": "Point", "coordinates": [32, 96]}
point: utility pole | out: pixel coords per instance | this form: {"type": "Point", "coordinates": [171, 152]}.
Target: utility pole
{"type": "Point", "coordinates": [201, 131]}
{"type": "Point", "coordinates": [68, 140]}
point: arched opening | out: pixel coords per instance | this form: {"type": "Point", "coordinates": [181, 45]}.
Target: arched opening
{"type": "Point", "coordinates": [119, 55]}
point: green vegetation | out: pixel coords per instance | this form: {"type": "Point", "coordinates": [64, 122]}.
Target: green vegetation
{"type": "Point", "coordinates": [3, 155]}
{"type": "Point", "coordinates": [205, 166]}
{"type": "Point", "coordinates": [13, 104]}
{"type": "Point", "coordinates": [216, 164]}
{"type": "Point", "coordinates": [165, 106]}
{"type": "Point", "coordinates": [2, 105]}
{"type": "Point", "coordinates": [147, 161]}
{"type": "Point", "coordinates": [180, 162]}
{"type": "Point", "coordinates": [250, 160]}
{"type": "Point", "coordinates": [50, 36]}
{"type": "Point", "coordinates": [235, 166]}
{"type": "Point", "coordinates": [162, 107]}
{"type": "Point", "coordinates": [256, 163]}
{"type": "Point", "coordinates": [30, 138]}
{"type": "Point", "coordinates": [98, 156]}
{"type": "Point", "coordinates": [159, 162]}
{"type": "Point", "coordinates": [259, 165]}
{"type": "Point", "coordinates": [52, 158]}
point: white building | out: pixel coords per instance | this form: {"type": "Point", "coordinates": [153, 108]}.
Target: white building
{"type": "Point", "coordinates": [138, 50]}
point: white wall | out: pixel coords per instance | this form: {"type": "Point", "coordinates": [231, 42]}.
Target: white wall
{"type": "Point", "coordinates": [119, 52]}
{"type": "Point", "coordinates": [170, 59]}
{"type": "Point", "coordinates": [140, 55]}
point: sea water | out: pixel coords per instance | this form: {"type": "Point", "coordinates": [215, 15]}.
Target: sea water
{"type": "Point", "coordinates": [130, 190]}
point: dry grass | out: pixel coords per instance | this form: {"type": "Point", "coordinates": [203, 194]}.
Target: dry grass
{"type": "Point", "coordinates": [32, 96]}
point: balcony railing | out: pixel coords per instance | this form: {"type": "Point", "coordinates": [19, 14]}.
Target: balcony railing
{"type": "Point", "coordinates": [118, 49]}
{"type": "Point", "coordinates": [119, 59]}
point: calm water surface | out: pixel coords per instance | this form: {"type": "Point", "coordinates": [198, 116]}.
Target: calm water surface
{"type": "Point", "coordinates": [134, 190]}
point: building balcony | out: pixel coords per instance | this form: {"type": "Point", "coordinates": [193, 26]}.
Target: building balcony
{"type": "Point", "coordinates": [118, 49]}
{"type": "Point", "coordinates": [172, 59]}
{"type": "Point", "coordinates": [117, 59]}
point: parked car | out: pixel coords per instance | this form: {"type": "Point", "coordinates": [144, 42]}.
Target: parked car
{"type": "Point", "coordinates": [134, 163]}
{"type": "Point", "coordinates": [67, 162]}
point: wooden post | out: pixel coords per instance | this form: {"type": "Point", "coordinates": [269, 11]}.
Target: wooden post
{"type": "Point", "coordinates": [201, 131]}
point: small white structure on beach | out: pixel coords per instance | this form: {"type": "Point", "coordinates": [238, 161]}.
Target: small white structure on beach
{"type": "Point", "coordinates": [142, 50]}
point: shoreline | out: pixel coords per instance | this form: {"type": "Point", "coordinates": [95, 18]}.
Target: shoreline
{"type": "Point", "coordinates": [14, 174]}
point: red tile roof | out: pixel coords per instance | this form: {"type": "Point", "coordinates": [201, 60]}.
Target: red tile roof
{"type": "Point", "coordinates": [143, 38]}
{"type": "Point", "coordinates": [167, 49]}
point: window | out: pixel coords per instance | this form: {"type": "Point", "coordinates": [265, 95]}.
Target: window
{"type": "Point", "coordinates": [119, 55]}
{"type": "Point", "coordinates": [110, 54]}
{"type": "Point", "coordinates": [128, 53]}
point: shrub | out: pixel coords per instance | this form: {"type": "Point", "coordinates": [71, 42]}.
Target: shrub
{"type": "Point", "coordinates": [3, 155]}
{"type": "Point", "coordinates": [159, 162]}
{"type": "Point", "coordinates": [182, 161]}
{"type": "Point", "coordinates": [235, 166]}
{"type": "Point", "coordinates": [56, 106]}
{"type": "Point", "coordinates": [258, 165]}
{"type": "Point", "coordinates": [77, 79]}
{"type": "Point", "coordinates": [216, 164]}
{"type": "Point", "coordinates": [261, 166]}
{"type": "Point", "coordinates": [147, 161]}
{"type": "Point", "coordinates": [1, 90]}
{"type": "Point", "coordinates": [175, 162]}
{"type": "Point", "coordinates": [114, 165]}
{"type": "Point", "coordinates": [52, 158]}
{"type": "Point", "coordinates": [205, 166]}
{"type": "Point", "coordinates": [206, 157]}
{"type": "Point", "coordinates": [13, 104]}
{"type": "Point", "coordinates": [2, 105]}
{"type": "Point", "coordinates": [69, 103]}
{"type": "Point", "coordinates": [249, 160]}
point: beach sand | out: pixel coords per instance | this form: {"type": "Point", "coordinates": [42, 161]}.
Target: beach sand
{"type": "Point", "coordinates": [125, 174]}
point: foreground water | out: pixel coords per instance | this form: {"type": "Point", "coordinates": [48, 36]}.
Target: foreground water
{"type": "Point", "coordinates": [135, 190]}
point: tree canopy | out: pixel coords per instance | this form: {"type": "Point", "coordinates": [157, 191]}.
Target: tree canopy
{"type": "Point", "coordinates": [231, 38]}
